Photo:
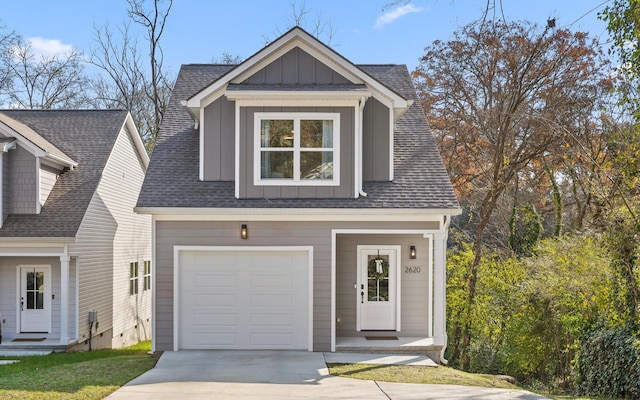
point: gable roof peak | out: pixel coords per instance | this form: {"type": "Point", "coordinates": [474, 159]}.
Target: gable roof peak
{"type": "Point", "coordinates": [294, 37]}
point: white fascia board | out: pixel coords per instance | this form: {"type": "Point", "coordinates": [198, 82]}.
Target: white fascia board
{"type": "Point", "coordinates": [317, 102]}
{"type": "Point", "coordinates": [16, 243]}
{"type": "Point", "coordinates": [33, 148]}
{"type": "Point", "coordinates": [296, 214]}
{"type": "Point", "coordinates": [58, 160]}
{"type": "Point", "coordinates": [332, 97]}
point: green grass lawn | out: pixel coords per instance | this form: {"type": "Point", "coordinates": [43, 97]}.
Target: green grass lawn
{"type": "Point", "coordinates": [81, 375]}
{"type": "Point", "coordinates": [431, 375]}
{"type": "Point", "coordinates": [417, 374]}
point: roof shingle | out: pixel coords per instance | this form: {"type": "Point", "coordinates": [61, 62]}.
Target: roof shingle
{"type": "Point", "coordinates": [420, 181]}
{"type": "Point", "coordinates": [88, 137]}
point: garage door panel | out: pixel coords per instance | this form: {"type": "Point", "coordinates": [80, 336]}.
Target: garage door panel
{"type": "Point", "coordinates": [273, 340]}
{"type": "Point", "coordinates": [243, 300]}
{"type": "Point", "coordinates": [269, 300]}
{"type": "Point", "coordinates": [216, 320]}
{"type": "Point", "coordinates": [212, 280]}
{"type": "Point", "coordinates": [271, 320]}
{"type": "Point", "coordinates": [271, 280]}
{"type": "Point", "coordinates": [203, 340]}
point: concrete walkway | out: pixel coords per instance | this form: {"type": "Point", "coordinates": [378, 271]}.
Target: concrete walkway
{"type": "Point", "coordinates": [236, 375]}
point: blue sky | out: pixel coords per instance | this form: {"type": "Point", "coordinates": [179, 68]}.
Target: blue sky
{"type": "Point", "coordinates": [199, 30]}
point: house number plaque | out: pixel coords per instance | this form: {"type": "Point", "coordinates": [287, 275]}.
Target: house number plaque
{"type": "Point", "coordinates": [412, 270]}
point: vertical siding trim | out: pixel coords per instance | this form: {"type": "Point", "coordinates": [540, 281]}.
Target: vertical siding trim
{"type": "Point", "coordinates": [37, 188]}
{"type": "Point", "coordinates": [237, 150]}
{"type": "Point", "coordinates": [1, 188]}
{"type": "Point", "coordinates": [201, 144]}
{"type": "Point", "coordinates": [154, 291]}
{"type": "Point", "coordinates": [391, 136]}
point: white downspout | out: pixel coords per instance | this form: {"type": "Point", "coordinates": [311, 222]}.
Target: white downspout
{"type": "Point", "coordinates": [1, 187]}
{"type": "Point", "coordinates": [359, 145]}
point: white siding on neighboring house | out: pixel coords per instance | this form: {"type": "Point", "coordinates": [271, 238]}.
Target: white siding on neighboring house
{"type": "Point", "coordinates": [48, 178]}
{"type": "Point", "coordinates": [94, 252]}
{"type": "Point", "coordinates": [132, 241]}
{"type": "Point", "coordinates": [110, 237]}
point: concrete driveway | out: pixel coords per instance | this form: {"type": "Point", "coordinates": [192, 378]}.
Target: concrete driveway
{"type": "Point", "coordinates": [240, 375]}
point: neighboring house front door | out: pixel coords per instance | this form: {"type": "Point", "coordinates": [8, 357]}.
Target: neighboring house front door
{"type": "Point", "coordinates": [35, 298]}
{"type": "Point", "coordinates": [378, 287]}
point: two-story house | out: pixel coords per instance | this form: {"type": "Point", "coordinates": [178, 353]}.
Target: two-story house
{"type": "Point", "coordinates": [298, 202]}
{"type": "Point", "coordinates": [75, 269]}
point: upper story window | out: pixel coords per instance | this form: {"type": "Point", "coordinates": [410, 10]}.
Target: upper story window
{"type": "Point", "coordinates": [297, 149]}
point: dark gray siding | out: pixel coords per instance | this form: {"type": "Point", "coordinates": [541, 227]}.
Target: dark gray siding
{"type": "Point", "coordinates": [347, 127]}
{"type": "Point", "coordinates": [296, 67]}
{"type": "Point", "coordinates": [375, 141]}
{"type": "Point", "coordinates": [219, 140]}
{"type": "Point", "coordinates": [415, 293]}
{"type": "Point", "coordinates": [22, 189]}
{"type": "Point", "coordinates": [316, 234]}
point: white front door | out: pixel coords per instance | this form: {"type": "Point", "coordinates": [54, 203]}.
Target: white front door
{"type": "Point", "coordinates": [35, 298]}
{"type": "Point", "coordinates": [378, 302]}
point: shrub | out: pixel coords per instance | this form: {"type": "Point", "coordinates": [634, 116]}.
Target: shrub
{"type": "Point", "coordinates": [608, 363]}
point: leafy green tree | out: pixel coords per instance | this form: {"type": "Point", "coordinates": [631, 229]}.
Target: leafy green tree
{"type": "Point", "coordinates": [623, 23]}
{"type": "Point", "coordinates": [566, 293]}
{"type": "Point", "coordinates": [501, 96]}
{"type": "Point", "coordinates": [525, 229]}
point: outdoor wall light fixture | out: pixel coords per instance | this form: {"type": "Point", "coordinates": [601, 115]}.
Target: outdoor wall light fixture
{"type": "Point", "coordinates": [244, 232]}
{"type": "Point", "coordinates": [412, 252]}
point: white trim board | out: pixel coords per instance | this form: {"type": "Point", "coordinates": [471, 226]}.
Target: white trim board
{"type": "Point", "coordinates": [297, 214]}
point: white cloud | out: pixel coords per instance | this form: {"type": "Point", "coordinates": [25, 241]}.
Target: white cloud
{"type": "Point", "coordinates": [48, 47]}
{"type": "Point", "coordinates": [393, 15]}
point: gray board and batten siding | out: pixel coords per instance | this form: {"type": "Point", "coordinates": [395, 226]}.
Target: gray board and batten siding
{"type": "Point", "coordinates": [296, 67]}
{"type": "Point", "coordinates": [265, 233]}
{"type": "Point", "coordinates": [375, 141]}
{"type": "Point", "coordinates": [219, 140]}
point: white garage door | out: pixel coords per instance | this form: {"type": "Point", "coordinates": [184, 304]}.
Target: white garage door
{"type": "Point", "coordinates": [243, 300]}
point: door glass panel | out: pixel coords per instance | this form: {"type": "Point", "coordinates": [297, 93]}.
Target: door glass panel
{"type": "Point", "coordinates": [31, 284]}
{"type": "Point", "coordinates": [35, 291]}
{"type": "Point", "coordinates": [30, 301]}
{"type": "Point", "coordinates": [40, 301]}
{"type": "Point", "coordinates": [378, 278]}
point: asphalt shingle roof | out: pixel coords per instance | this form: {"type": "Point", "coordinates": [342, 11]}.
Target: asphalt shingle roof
{"type": "Point", "coordinates": [420, 181]}
{"type": "Point", "coordinates": [88, 137]}
{"type": "Point", "coordinates": [34, 137]}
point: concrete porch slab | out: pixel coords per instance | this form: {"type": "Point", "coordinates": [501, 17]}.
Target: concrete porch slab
{"type": "Point", "coordinates": [24, 352]}
{"type": "Point", "coordinates": [384, 359]}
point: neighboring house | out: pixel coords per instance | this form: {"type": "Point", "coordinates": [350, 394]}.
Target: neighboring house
{"type": "Point", "coordinates": [70, 243]}
{"type": "Point", "coordinates": [299, 202]}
